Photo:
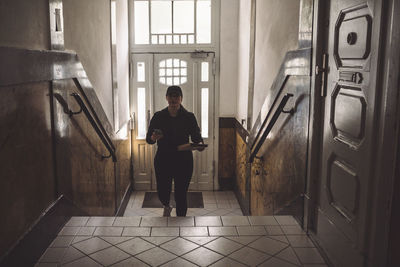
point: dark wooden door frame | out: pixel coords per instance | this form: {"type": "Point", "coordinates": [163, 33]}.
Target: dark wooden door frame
{"type": "Point", "coordinates": [388, 137]}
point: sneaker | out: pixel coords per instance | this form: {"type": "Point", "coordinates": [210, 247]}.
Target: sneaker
{"type": "Point", "coordinates": [167, 211]}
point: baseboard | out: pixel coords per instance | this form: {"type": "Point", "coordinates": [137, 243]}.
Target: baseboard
{"type": "Point", "coordinates": [29, 248]}
{"type": "Point", "coordinates": [125, 200]}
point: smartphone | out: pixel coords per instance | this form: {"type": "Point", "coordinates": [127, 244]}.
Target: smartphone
{"type": "Point", "coordinates": [198, 145]}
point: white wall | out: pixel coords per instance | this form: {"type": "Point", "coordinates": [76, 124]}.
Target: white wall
{"type": "Point", "coordinates": [277, 24]}
{"type": "Point", "coordinates": [273, 38]}
{"type": "Point", "coordinates": [243, 59]}
{"type": "Point", "coordinates": [228, 58]}
{"type": "Point", "coordinates": [87, 31]}
{"type": "Point", "coordinates": [123, 61]}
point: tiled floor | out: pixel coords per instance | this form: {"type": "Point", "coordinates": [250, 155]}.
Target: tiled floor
{"type": "Point", "coordinates": [216, 203]}
{"type": "Point", "coordinates": [211, 240]}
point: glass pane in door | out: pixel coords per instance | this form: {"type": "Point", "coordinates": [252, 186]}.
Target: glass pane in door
{"type": "Point", "coordinates": [204, 71]}
{"type": "Point", "coordinates": [141, 107]}
{"type": "Point", "coordinates": [141, 72]}
{"type": "Point", "coordinates": [204, 112]}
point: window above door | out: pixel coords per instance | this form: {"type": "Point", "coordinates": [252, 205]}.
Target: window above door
{"type": "Point", "coordinates": [173, 23]}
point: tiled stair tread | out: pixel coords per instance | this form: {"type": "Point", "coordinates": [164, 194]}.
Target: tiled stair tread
{"type": "Point", "coordinates": [191, 241]}
{"type": "Point", "coordinates": [138, 221]}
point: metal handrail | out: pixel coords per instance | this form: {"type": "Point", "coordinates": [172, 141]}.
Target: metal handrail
{"type": "Point", "coordinates": [257, 145]}
{"type": "Point", "coordinates": [96, 118]}
{"type": "Point", "coordinates": [269, 112]}
{"type": "Point", "coordinates": [43, 65]}
{"type": "Point", "coordinates": [92, 121]}
{"type": "Point", "coordinates": [295, 63]}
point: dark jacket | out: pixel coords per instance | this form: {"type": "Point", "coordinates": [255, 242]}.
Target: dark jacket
{"type": "Point", "coordinates": [176, 130]}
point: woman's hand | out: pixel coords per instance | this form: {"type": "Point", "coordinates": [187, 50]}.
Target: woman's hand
{"type": "Point", "coordinates": [156, 136]}
{"type": "Point", "coordinates": [199, 148]}
{"type": "Point", "coordinates": [189, 147]}
{"type": "Point", "coordinates": [184, 147]}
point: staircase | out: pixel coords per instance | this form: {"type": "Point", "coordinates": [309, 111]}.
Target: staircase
{"type": "Point", "coordinates": [182, 241]}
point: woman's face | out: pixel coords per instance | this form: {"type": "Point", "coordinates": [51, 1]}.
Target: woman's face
{"type": "Point", "coordinates": [174, 102]}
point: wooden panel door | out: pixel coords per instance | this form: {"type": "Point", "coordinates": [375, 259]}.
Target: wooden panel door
{"type": "Point", "coordinates": [349, 112]}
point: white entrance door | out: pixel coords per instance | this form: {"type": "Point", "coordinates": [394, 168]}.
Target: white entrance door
{"type": "Point", "coordinates": [152, 74]}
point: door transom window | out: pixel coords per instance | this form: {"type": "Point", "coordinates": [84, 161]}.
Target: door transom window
{"type": "Point", "coordinates": [170, 22]}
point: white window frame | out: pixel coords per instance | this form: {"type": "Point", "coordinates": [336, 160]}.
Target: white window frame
{"type": "Point", "coordinates": [149, 48]}
{"type": "Point", "coordinates": [175, 48]}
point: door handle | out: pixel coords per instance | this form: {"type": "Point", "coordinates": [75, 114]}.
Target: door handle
{"type": "Point", "coordinates": [319, 70]}
{"type": "Point", "coordinates": [322, 71]}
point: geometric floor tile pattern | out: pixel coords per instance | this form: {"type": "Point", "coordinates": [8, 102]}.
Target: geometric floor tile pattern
{"type": "Point", "coordinates": [216, 203]}
{"type": "Point", "coordinates": [270, 241]}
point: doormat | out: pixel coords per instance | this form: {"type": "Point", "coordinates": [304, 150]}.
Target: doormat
{"type": "Point", "coordinates": [194, 199]}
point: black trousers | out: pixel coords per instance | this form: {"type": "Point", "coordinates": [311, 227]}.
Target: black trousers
{"type": "Point", "coordinates": [178, 167]}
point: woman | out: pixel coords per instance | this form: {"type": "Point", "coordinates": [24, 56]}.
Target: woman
{"type": "Point", "coordinates": [171, 128]}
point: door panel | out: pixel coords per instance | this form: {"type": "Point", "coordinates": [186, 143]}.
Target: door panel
{"type": "Point", "coordinates": [204, 111]}
{"type": "Point", "coordinates": [348, 130]}
{"type": "Point", "coordinates": [194, 74]}
{"type": "Point", "coordinates": [141, 83]}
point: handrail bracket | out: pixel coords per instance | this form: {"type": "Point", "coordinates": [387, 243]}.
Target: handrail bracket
{"type": "Point", "coordinates": [103, 136]}
{"type": "Point", "coordinates": [290, 111]}
{"type": "Point", "coordinates": [65, 106]}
